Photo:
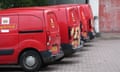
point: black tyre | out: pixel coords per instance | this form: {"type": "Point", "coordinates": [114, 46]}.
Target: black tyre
{"type": "Point", "coordinates": [91, 36]}
{"type": "Point", "coordinates": [67, 49]}
{"type": "Point", "coordinates": [30, 61]}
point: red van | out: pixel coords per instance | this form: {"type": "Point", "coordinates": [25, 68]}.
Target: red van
{"type": "Point", "coordinates": [30, 38]}
{"type": "Point", "coordinates": [76, 7]}
{"type": "Point", "coordinates": [69, 28]}
{"type": "Point", "coordinates": [83, 22]}
{"type": "Point", "coordinates": [90, 20]}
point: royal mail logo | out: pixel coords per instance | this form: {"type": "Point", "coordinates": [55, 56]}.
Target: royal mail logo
{"type": "Point", "coordinates": [7, 27]}
{"type": "Point", "coordinates": [5, 20]}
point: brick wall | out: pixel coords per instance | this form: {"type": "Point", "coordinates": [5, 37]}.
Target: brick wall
{"type": "Point", "coordinates": [109, 15]}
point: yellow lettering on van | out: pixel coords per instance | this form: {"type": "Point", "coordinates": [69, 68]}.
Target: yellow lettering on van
{"type": "Point", "coordinates": [7, 27]}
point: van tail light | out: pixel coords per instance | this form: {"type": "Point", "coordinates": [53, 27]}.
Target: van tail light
{"type": "Point", "coordinates": [48, 38]}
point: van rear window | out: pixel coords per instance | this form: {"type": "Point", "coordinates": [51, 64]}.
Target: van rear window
{"type": "Point", "coordinates": [52, 21]}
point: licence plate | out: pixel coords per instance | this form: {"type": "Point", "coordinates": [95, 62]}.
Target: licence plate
{"type": "Point", "coordinates": [85, 34]}
{"type": "Point", "coordinates": [54, 49]}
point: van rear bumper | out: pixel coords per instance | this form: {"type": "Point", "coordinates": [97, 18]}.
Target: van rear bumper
{"type": "Point", "coordinates": [58, 56]}
{"type": "Point", "coordinates": [48, 57]}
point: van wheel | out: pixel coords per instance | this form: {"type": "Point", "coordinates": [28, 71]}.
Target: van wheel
{"type": "Point", "coordinates": [90, 35]}
{"type": "Point", "coordinates": [30, 61]}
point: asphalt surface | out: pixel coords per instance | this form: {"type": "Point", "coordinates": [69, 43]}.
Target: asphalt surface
{"type": "Point", "coordinates": [99, 55]}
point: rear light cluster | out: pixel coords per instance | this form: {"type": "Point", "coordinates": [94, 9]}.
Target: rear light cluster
{"type": "Point", "coordinates": [85, 34]}
{"type": "Point", "coordinates": [48, 39]}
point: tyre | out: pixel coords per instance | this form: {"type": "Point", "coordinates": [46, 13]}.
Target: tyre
{"type": "Point", "coordinates": [30, 61]}
{"type": "Point", "coordinates": [91, 36]}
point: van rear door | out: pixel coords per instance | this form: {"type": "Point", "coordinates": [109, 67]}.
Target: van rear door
{"type": "Point", "coordinates": [53, 33]}
{"type": "Point", "coordinates": [75, 27]}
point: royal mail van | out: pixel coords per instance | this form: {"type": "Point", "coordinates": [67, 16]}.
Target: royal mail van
{"type": "Point", "coordinates": [83, 22]}
{"type": "Point", "coordinates": [69, 28]}
{"type": "Point", "coordinates": [30, 38]}
{"type": "Point", "coordinates": [90, 20]}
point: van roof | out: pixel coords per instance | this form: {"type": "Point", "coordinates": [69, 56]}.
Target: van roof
{"type": "Point", "coordinates": [21, 10]}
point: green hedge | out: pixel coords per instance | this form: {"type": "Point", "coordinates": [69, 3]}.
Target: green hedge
{"type": "Point", "coordinates": [21, 3]}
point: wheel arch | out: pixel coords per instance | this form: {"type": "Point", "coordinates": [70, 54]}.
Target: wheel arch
{"type": "Point", "coordinates": [27, 49]}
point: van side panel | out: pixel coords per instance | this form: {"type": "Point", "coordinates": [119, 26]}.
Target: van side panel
{"type": "Point", "coordinates": [8, 38]}
{"type": "Point", "coordinates": [31, 32]}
